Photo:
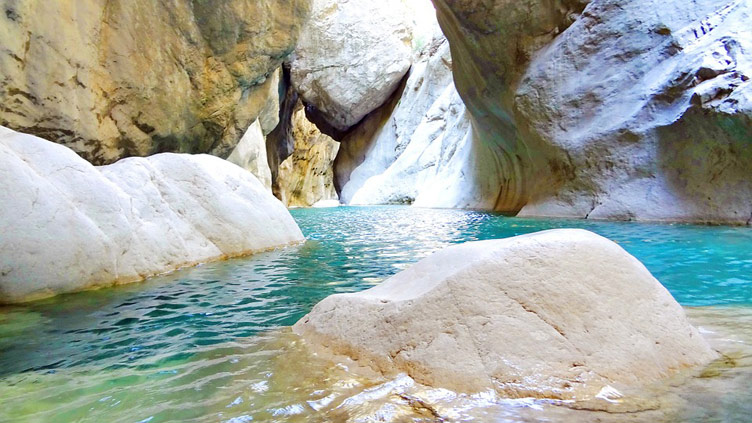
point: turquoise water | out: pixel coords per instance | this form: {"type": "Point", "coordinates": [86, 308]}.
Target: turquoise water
{"type": "Point", "coordinates": [195, 345]}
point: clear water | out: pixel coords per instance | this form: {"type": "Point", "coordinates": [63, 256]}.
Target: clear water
{"type": "Point", "coordinates": [206, 344]}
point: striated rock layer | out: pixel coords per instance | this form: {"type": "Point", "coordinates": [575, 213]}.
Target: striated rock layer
{"type": "Point", "coordinates": [124, 78]}
{"type": "Point", "coordinates": [67, 225]}
{"type": "Point", "coordinates": [607, 109]}
{"type": "Point", "coordinates": [557, 314]}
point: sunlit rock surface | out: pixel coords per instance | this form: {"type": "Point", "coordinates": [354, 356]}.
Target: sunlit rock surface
{"type": "Point", "coordinates": [420, 150]}
{"type": "Point", "coordinates": [607, 109]}
{"type": "Point", "coordinates": [563, 314]}
{"type": "Point", "coordinates": [351, 56]}
{"type": "Point", "coordinates": [116, 79]}
{"type": "Point", "coordinates": [67, 225]}
{"type": "Point", "coordinates": [250, 154]}
{"type": "Point", "coordinates": [306, 177]}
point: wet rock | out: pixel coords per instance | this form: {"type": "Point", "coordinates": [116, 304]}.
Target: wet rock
{"type": "Point", "coordinates": [563, 314]}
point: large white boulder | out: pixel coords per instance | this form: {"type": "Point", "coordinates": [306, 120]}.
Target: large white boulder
{"type": "Point", "coordinates": [351, 56]}
{"type": "Point", "coordinates": [555, 314]}
{"type": "Point", "coordinates": [66, 225]}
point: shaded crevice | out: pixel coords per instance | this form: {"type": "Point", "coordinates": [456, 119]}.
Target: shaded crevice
{"type": "Point", "coordinates": [280, 143]}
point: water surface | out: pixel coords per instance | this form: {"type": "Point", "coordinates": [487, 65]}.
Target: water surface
{"type": "Point", "coordinates": [208, 344]}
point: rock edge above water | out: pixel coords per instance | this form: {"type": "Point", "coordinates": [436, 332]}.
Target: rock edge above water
{"type": "Point", "coordinates": [557, 314]}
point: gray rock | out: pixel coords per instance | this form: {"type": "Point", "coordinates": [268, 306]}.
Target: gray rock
{"type": "Point", "coordinates": [562, 314]}
{"type": "Point", "coordinates": [351, 56]}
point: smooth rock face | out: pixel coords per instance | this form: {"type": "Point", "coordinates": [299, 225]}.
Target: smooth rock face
{"type": "Point", "coordinates": [607, 109]}
{"type": "Point", "coordinates": [117, 79]}
{"type": "Point", "coordinates": [250, 154]}
{"type": "Point", "coordinates": [555, 314]}
{"type": "Point", "coordinates": [67, 225]}
{"type": "Point", "coordinates": [306, 177]}
{"type": "Point", "coordinates": [421, 151]}
{"type": "Point", "coordinates": [351, 56]}
{"type": "Point", "coordinates": [657, 122]}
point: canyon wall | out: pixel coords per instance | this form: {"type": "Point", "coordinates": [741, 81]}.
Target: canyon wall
{"type": "Point", "coordinates": [419, 149]}
{"type": "Point", "coordinates": [306, 177]}
{"type": "Point", "coordinates": [115, 79]}
{"type": "Point", "coordinates": [610, 109]}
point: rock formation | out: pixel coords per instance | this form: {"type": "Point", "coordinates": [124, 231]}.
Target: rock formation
{"type": "Point", "coordinates": [117, 79]}
{"type": "Point", "coordinates": [250, 154]}
{"type": "Point", "coordinates": [607, 109]}
{"type": "Point", "coordinates": [351, 56]}
{"type": "Point", "coordinates": [557, 314]}
{"type": "Point", "coordinates": [306, 177]}
{"type": "Point", "coordinates": [67, 225]}
{"type": "Point", "coordinates": [420, 149]}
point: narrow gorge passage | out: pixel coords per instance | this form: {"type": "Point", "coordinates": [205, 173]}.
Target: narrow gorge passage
{"type": "Point", "coordinates": [359, 211]}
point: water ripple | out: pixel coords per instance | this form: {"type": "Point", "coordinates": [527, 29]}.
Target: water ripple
{"type": "Point", "coordinates": [183, 346]}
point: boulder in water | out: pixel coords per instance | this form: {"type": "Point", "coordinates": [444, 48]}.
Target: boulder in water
{"type": "Point", "coordinates": [557, 314]}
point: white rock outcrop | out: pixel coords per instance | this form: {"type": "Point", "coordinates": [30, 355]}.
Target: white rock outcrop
{"type": "Point", "coordinates": [351, 56]}
{"type": "Point", "coordinates": [653, 111]}
{"type": "Point", "coordinates": [555, 314]}
{"type": "Point", "coordinates": [423, 150]}
{"type": "Point", "coordinates": [250, 154]}
{"type": "Point", "coordinates": [610, 109]}
{"type": "Point", "coordinates": [66, 225]}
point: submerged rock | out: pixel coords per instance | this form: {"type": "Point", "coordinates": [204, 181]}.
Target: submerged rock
{"type": "Point", "coordinates": [351, 56]}
{"type": "Point", "coordinates": [67, 225]}
{"type": "Point", "coordinates": [562, 314]}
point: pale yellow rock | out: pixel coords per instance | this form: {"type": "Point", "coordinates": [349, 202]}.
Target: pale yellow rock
{"type": "Point", "coordinates": [111, 79]}
{"type": "Point", "coordinates": [610, 109]}
{"type": "Point", "coordinates": [306, 177]}
{"type": "Point", "coordinates": [555, 314]}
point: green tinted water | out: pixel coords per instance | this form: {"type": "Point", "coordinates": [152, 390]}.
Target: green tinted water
{"type": "Point", "coordinates": [202, 344]}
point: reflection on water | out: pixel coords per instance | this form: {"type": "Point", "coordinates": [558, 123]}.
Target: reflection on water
{"type": "Point", "coordinates": [204, 344]}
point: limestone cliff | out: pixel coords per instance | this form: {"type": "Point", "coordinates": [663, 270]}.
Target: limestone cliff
{"type": "Point", "coordinates": [351, 57]}
{"type": "Point", "coordinates": [306, 177]}
{"type": "Point", "coordinates": [610, 109]}
{"type": "Point", "coordinates": [420, 149]}
{"type": "Point", "coordinates": [111, 79]}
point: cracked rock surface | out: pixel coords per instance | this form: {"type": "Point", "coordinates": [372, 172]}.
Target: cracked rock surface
{"type": "Point", "coordinates": [562, 314]}
{"type": "Point", "coordinates": [68, 225]}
